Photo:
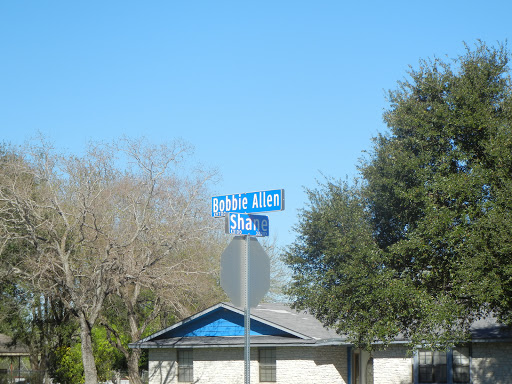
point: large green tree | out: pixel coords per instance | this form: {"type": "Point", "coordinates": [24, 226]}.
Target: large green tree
{"type": "Point", "coordinates": [423, 245]}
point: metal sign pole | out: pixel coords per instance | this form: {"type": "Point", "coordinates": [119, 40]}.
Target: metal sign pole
{"type": "Point", "coordinates": [235, 268]}
{"type": "Point", "coordinates": [247, 316]}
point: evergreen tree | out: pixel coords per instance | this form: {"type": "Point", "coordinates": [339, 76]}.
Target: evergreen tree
{"type": "Point", "coordinates": [436, 210]}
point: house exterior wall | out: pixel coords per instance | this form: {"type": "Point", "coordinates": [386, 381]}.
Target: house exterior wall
{"type": "Point", "coordinates": [312, 365]}
{"type": "Point", "coordinates": [162, 366]}
{"type": "Point", "coordinates": [317, 365]}
{"type": "Point", "coordinates": [392, 366]}
{"type": "Point", "coordinates": [491, 363]}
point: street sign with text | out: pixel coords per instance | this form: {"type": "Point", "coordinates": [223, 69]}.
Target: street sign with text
{"type": "Point", "coordinates": [251, 202]}
{"type": "Point", "coordinates": [245, 266]}
{"type": "Point", "coordinates": [250, 225]}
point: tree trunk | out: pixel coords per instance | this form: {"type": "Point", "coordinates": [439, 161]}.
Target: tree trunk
{"type": "Point", "coordinates": [133, 355]}
{"type": "Point", "coordinates": [90, 372]}
{"type": "Point", "coordinates": [133, 367]}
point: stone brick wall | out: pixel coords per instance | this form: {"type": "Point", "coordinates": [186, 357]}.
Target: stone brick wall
{"type": "Point", "coordinates": [392, 366]}
{"type": "Point", "coordinates": [491, 363]}
{"type": "Point", "coordinates": [162, 366]}
{"type": "Point", "coordinates": [315, 365]}
{"type": "Point", "coordinates": [312, 365]}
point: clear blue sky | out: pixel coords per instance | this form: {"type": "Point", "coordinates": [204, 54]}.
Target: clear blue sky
{"type": "Point", "coordinates": [272, 93]}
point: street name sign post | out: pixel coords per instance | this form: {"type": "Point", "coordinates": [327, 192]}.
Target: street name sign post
{"type": "Point", "coordinates": [245, 266]}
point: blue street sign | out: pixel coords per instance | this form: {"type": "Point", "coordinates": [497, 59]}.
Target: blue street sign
{"type": "Point", "coordinates": [243, 224]}
{"type": "Point", "coordinates": [251, 202]}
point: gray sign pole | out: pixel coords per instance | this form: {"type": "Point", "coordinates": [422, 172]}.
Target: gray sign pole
{"type": "Point", "coordinates": [237, 283]}
{"type": "Point", "coordinates": [247, 315]}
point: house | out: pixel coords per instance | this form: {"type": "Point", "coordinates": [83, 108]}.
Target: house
{"type": "Point", "coordinates": [292, 347]}
{"type": "Point", "coordinates": [11, 355]}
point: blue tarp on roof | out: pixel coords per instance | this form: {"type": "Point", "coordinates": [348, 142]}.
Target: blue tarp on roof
{"type": "Point", "coordinates": [220, 322]}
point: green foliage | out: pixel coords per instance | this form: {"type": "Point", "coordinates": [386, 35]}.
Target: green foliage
{"type": "Point", "coordinates": [107, 358]}
{"type": "Point", "coordinates": [335, 261]}
{"type": "Point", "coordinates": [424, 245]}
{"type": "Point", "coordinates": [129, 321]}
{"type": "Point", "coordinates": [41, 323]}
{"type": "Point", "coordinates": [70, 369]}
{"type": "Point", "coordinates": [46, 327]}
{"type": "Point", "coordinates": [116, 313]}
{"type": "Point", "coordinates": [69, 360]}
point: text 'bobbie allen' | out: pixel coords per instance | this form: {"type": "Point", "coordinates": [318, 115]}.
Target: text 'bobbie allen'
{"type": "Point", "coordinates": [263, 201]}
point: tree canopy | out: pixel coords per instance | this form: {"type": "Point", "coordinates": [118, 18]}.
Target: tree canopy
{"type": "Point", "coordinates": [105, 229]}
{"type": "Point", "coordinates": [422, 245]}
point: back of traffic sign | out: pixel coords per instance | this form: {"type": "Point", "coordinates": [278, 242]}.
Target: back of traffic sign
{"type": "Point", "coordinates": [232, 272]}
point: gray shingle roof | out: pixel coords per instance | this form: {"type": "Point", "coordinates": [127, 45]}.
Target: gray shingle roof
{"type": "Point", "coordinates": [298, 321]}
{"type": "Point", "coordinates": [7, 348]}
{"type": "Point", "coordinates": [488, 329]}
{"type": "Point", "coordinates": [301, 328]}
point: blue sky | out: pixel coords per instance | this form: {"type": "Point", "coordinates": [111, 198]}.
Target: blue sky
{"type": "Point", "coordinates": [271, 93]}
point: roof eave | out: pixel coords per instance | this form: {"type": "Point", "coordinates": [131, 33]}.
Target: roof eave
{"type": "Point", "coordinates": [303, 343]}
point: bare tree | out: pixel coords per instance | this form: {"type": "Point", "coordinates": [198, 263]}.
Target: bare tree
{"type": "Point", "coordinates": [279, 272]}
{"type": "Point", "coordinates": [58, 206]}
{"type": "Point", "coordinates": [100, 223]}
{"type": "Point", "coordinates": [171, 256]}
